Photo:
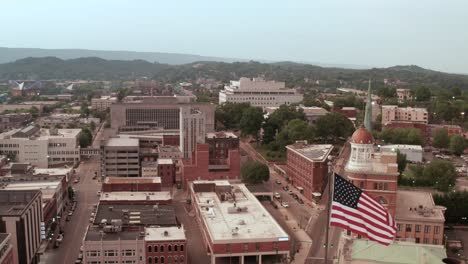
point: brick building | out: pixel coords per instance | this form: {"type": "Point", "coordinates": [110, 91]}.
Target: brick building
{"type": "Point", "coordinates": [14, 120]}
{"type": "Point", "coordinates": [235, 226]}
{"type": "Point", "coordinates": [220, 143]}
{"type": "Point", "coordinates": [167, 172]}
{"type": "Point", "coordinates": [143, 184]}
{"type": "Point", "coordinates": [307, 166]}
{"type": "Point", "coordinates": [165, 245]}
{"type": "Point", "coordinates": [135, 198]}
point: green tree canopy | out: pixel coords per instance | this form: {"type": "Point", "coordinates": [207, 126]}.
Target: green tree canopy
{"type": "Point", "coordinates": [441, 138]}
{"type": "Point", "coordinates": [295, 130]}
{"type": "Point", "coordinates": [251, 121]}
{"type": "Point", "coordinates": [410, 136]}
{"type": "Point", "coordinates": [457, 144]}
{"type": "Point", "coordinates": [229, 114]}
{"type": "Point", "coordinates": [278, 119]}
{"type": "Point", "coordinates": [401, 161]}
{"type": "Point", "coordinates": [86, 138]}
{"type": "Point", "coordinates": [334, 125]}
{"type": "Point", "coordinates": [422, 93]}
{"type": "Point", "coordinates": [440, 172]}
{"type": "Point", "coordinates": [255, 172]}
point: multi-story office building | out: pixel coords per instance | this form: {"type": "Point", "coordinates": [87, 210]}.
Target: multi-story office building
{"type": "Point", "coordinates": [220, 143]}
{"type": "Point", "coordinates": [165, 245]}
{"type": "Point", "coordinates": [192, 130]}
{"type": "Point", "coordinates": [21, 216]}
{"type": "Point", "coordinates": [235, 226]}
{"type": "Point", "coordinates": [404, 95]}
{"type": "Point", "coordinates": [120, 157]}
{"type": "Point", "coordinates": [102, 103]}
{"type": "Point", "coordinates": [42, 147]}
{"type": "Point", "coordinates": [393, 113]}
{"type": "Point", "coordinates": [157, 113]}
{"type": "Point", "coordinates": [418, 219]}
{"type": "Point", "coordinates": [259, 92]}
{"type": "Point", "coordinates": [307, 166]}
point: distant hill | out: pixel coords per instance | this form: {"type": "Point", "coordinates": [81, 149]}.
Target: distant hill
{"type": "Point", "coordinates": [13, 54]}
{"type": "Point", "coordinates": [294, 74]}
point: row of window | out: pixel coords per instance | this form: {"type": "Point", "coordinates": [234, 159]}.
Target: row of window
{"type": "Point", "coordinates": [111, 253]}
{"type": "Point", "coordinates": [9, 145]}
{"type": "Point", "coordinates": [66, 152]}
{"type": "Point", "coordinates": [169, 248]}
{"type": "Point", "coordinates": [112, 262]}
{"type": "Point", "coordinates": [170, 259]}
{"type": "Point", "coordinates": [417, 228]}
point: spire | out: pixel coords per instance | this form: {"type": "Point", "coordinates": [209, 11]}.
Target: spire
{"type": "Point", "coordinates": [368, 113]}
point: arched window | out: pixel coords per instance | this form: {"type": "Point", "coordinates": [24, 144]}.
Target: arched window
{"type": "Point", "coordinates": [181, 258]}
{"type": "Point", "coordinates": [169, 248]}
{"type": "Point", "coordinates": [156, 260]}
{"type": "Point", "coordinates": [169, 259]}
{"type": "Point", "coordinates": [155, 248]}
{"type": "Point", "coordinates": [181, 247]}
{"type": "Point", "coordinates": [176, 247]}
{"type": "Point", "coordinates": [162, 259]}
{"type": "Point", "coordinates": [149, 248]}
{"type": "Point", "coordinates": [176, 259]}
{"type": "Point", "coordinates": [150, 260]}
{"type": "Point", "coordinates": [161, 249]}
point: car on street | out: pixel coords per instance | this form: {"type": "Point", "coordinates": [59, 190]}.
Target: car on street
{"type": "Point", "coordinates": [76, 180]}
{"type": "Point", "coordinates": [285, 188]}
{"type": "Point", "coordinates": [99, 193]}
{"type": "Point", "coordinates": [285, 204]}
{"type": "Point", "coordinates": [300, 201]}
{"type": "Point", "coordinates": [278, 182]}
{"type": "Point", "coordinates": [295, 196]}
{"type": "Point", "coordinates": [277, 195]}
{"type": "Point", "coordinates": [290, 192]}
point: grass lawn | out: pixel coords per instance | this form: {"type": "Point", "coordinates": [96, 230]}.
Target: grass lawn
{"type": "Point", "coordinates": [277, 156]}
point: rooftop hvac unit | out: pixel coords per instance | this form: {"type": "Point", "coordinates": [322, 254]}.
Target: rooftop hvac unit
{"type": "Point", "coordinates": [166, 233]}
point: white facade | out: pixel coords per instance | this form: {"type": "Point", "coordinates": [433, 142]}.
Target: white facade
{"type": "Point", "coordinates": [101, 104]}
{"type": "Point", "coordinates": [42, 149]}
{"type": "Point", "coordinates": [361, 157]}
{"type": "Point", "coordinates": [192, 130]}
{"type": "Point", "coordinates": [414, 153]}
{"type": "Point", "coordinates": [259, 92]}
{"type": "Point", "coordinates": [394, 113]}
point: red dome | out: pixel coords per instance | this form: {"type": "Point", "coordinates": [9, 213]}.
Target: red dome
{"type": "Point", "coordinates": [362, 136]}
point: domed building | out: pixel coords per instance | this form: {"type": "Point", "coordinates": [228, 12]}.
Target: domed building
{"type": "Point", "coordinates": [374, 172]}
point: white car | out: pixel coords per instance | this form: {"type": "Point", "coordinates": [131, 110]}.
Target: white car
{"type": "Point", "coordinates": [277, 195]}
{"type": "Point", "coordinates": [99, 193]}
{"type": "Point", "coordinates": [285, 204]}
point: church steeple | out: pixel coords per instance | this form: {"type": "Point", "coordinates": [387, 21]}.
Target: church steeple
{"type": "Point", "coordinates": [368, 113]}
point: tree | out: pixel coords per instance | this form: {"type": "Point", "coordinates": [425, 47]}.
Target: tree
{"type": "Point", "coordinates": [34, 112]}
{"type": "Point", "coordinates": [86, 138]}
{"type": "Point", "coordinates": [84, 109]}
{"type": "Point", "coordinates": [295, 130]}
{"type": "Point", "coordinates": [251, 121]}
{"type": "Point", "coordinates": [422, 93]}
{"type": "Point", "coordinates": [440, 172]}
{"type": "Point", "coordinates": [255, 172]}
{"type": "Point", "coordinates": [457, 144]}
{"type": "Point", "coordinates": [92, 126]}
{"type": "Point", "coordinates": [410, 136]}
{"type": "Point", "coordinates": [278, 119]}
{"type": "Point", "coordinates": [441, 138]}
{"type": "Point", "coordinates": [456, 204]}
{"type": "Point", "coordinates": [401, 161]}
{"type": "Point", "coordinates": [229, 114]}
{"type": "Point", "coordinates": [334, 125]}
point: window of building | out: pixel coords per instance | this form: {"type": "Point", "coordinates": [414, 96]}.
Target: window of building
{"type": "Point", "coordinates": [436, 242]}
{"type": "Point", "coordinates": [128, 252]}
{"type": "Point", "coordinates": [426, 240]}
{"type": "Point", "coordinates": [375, 186]}
{"type": "Point", "coordinates": [246, 247]}
{"type": "Point", "coordinates": [408, 228]}
{"type": "Point", "coordinates": [150, 249]}
{"type": "Point", "coordinates": [169, 248]}
{"type": "Point", "coordinates": [161, 248]}
{"type": "Point", "coordinates": [436, 229]}
{"type": "Point", "coordinates": [93, 253]}
{"type": "Point", "coordinates": [156, 248]}
{"type": "Point", "coordinates": [150, 260]}
{"type": "Point", "coordinates": [176, 247]}
{"type": "Point", "coordinates": [162, 259]}
{"type": "Point", "coordinates": [110, 262]}
{"type": "Point", "coordinates": [176, 259]}
{"type": "Point", "coordinates": [181, 247]}
{"type": "Point", "coordinates": [110, 253]}
{"type": "Point", "coordinates": [427, 229]}
{"type": "Point", "coordinates": [398, 227]}
{"type": "Point", "coordinates": [418, 228]}
{"type": "Point", "coordinates": [417, 240]}
{"type": "Point", "coordinates": [181, 258]}
{"type": "Point", "coordinates": [156, 260]}
{"type": "Point", "coordinates": [385, 186]}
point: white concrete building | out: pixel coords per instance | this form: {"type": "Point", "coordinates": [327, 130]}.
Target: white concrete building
{"type": "Point", "coordinates": [102, 103]}
{"type": "Point", "coordinates": [391, 113]}
{"type": "Point", "coordinates": [259, 92]}
{"type": "Point", "coordinates": [414, 153]}
{"type": "Point", "coordinates": [42, 147]}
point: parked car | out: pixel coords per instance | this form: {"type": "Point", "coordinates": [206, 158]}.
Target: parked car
{"type": "Point", "coordinates": [277, 195]}
{"type": "Point", "coordinates": [278, 182]}
{"type": "Point", "coordinates": [285, 188]}
{"type": "Point", "coordinates": [99, 193]}
{"type": "Point", "coordinates": [290, 192]}
{"type": "Point", "coordinates": [285, 204]}
{"type": "Point", "coordinates": [300, 201]}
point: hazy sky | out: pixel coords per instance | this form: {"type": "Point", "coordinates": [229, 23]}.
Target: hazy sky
{"type": "Point", "coordinates": [432, 34]}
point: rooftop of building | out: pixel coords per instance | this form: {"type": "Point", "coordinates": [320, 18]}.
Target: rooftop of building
{"type": "Point", "coordinates": [366, 252]}
{"type": "Point", "coordinates": [313, 110]}
{"type": "Point", "coordinates": [418, 206]}
{"type": "Point", "coordinates": [312, 152]}
{"type": "Point", "coordinates": [122, 142]}
{"type": "Point", "coordinates": [231, 212]}
{"type": "Point", "coordinates": [15, 202]}
{"type": "Point", "coordinates": [401, 146]}
{"type": "Point", "coordinates": [136, 214]}
{"type": "Point", "coordinates": [96, 234]}
{"type": "Point", "coordinates": [406, 108]}
{"type": "Point", "coordinates": [52, 171]}
{"type": "Point", "coordinates": [362, 136]}
{"type": "Point", "coordinates": [223, 134]}
{"type": "Point", "coordinates": [40, 133]}
{"type": "Point", "coordinates": [168, 148]}
{"type": "Point", "coordinates": [165, 162]}
{"type": "Point", "coordinates": [131, 180]}
{"type": "Point", "coordinates": [41, 185]}
{"type": "Point", "coordinates": [105, 97]}
{"type": "Point", "coordinates": [135, 196]}
{"type": "Point", "coordinates": [164, 233]}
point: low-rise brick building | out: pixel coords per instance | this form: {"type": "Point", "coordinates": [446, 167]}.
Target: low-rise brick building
{"type": "Point", "coordinates": [165, 245]}
{"type": "Point", "coordinates": [140, 184]}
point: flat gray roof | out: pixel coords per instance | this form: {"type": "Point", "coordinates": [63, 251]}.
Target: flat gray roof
{"type": "Point", "coordinates": [122, 142]}
{"type": "Point", "coordinates": [137, 214]}
{"type": "Point", "coordinates": [312, 152]}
